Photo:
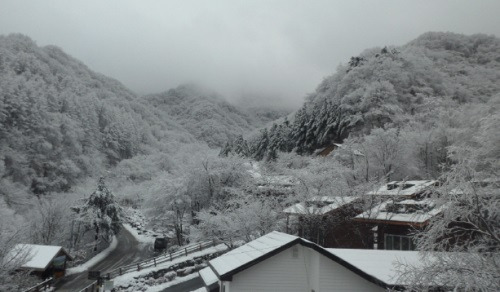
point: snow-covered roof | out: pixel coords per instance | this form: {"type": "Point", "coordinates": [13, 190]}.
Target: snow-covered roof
{"type": "Point", "coordinates": [329, 204]}
{"type": "Point", "coordinates": [250, 252]}
{"type": "Point", "coordinates": [326, 199]}
{"type": "Point", "coordinates": [38, 257]}
{"type": "Point", "coordinates": [380, 267]}
{"type": "Point", "coordinates": [329, 149]}
{"type": "Point", "coordinates": [412, 211]}
{"type": "Point", "coordinates": [208, 276]}
{"type": "Point", "coordinates": [377, 266]}
{"type": "Point", "coordinates": [277, 180]}
{"type": "Point", "coordinates": [403, 188]}
{"type": "Point", "coordinates": [380, 264]}
{"type": "Point", "coordinates": [270, 180]}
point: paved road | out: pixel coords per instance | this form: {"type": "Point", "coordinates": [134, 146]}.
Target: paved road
{"type": "Point", "coordinates": [187, 286]}
{"type": "Point", "coordinates": [127, 251]}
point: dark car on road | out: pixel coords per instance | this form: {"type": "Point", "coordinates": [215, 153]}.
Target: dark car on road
{"type": "Point", "coordinates": [160, 244]}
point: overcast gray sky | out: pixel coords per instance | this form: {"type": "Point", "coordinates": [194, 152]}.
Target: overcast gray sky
{"type": "Point", "coordinates": [278, 50]}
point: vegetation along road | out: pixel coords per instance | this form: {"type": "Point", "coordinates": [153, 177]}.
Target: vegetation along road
{"type": "Point", "coordinates": [128, 250]}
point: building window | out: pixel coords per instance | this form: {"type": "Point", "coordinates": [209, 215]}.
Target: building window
{"type": "Point", "coordinates": [398, 242]}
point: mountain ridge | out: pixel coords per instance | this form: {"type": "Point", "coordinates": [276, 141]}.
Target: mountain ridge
{"type": "Point", "coordinates": [388, 87]}
{"type": "Point", "coordinates": [61, 122]}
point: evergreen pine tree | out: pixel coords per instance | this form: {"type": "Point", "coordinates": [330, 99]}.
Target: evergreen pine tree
{"type": "Point", "coordinates": [228, 148]}
{"type": "Point", "coordinates": [240, 147]}
{"type": "Point", "coordinates": [260, 150]}
{"type": "Point", "coordinates": [100, 212]}
{"type": "Point", "coordinates": [299, 131]}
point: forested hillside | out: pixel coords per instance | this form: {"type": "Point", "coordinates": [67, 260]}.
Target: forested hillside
{"type": "Point", "coordinates": [410, 86]}
{"type": "Point", "coordinates": [60, 121]}
{"type": "Point", "coordinates": [207, 116]}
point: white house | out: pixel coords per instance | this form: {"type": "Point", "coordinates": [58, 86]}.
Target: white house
{"type": "Point", "coordinates": [282, 262]}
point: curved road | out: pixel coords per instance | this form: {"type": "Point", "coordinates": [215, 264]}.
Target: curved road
{"type": "Point", "coordinates": [127, 251]}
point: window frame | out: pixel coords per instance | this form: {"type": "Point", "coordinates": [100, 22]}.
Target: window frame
{"type": "Point", "coordinates": [400, 241]}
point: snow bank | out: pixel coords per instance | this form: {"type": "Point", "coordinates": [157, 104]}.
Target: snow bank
{"type": "Point", "coordinates": [176, 281]}
{"type": "Point", "coordinates": [142, 238]}
{"type": "Point", "coordinates": [93, 261]}
{"type": "Point", "coordinates": [126, 279]}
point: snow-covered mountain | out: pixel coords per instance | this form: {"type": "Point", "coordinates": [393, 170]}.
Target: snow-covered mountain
{"type": "Point", "coordinates": [60, 121]}
{"type": "Point", "coordinates": [390, 87]}
{"type": "Point", "coordinates": [207, 116]}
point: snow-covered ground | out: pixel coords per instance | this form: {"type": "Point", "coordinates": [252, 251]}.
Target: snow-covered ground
{"type": "Point", "coordinates": [137, 226]}
{"type": "Point", "coordinates": [93, 261]}
{"type": "Point", "coordinates": [140, 236]}
{"type": "Point", "coordinates": [136, 282]}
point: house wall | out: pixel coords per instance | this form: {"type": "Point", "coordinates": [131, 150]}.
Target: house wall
{"type": "Point", "coordinates": [347, 233]}
{"type": "Point", "coordinates": [314, 259]}
{"type": "Point", "coordinates": [281, 272]}
{"type": "Point", "coordinates": [336, 278]}
{"type": "Point", "coordinates": [310, 271]}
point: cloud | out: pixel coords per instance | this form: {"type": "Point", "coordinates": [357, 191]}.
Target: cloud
{"type": "Point", "coordinates": [275, 50]}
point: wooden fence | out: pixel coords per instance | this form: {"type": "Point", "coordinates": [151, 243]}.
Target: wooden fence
{"type": "Point", "coordinates": [151, 262]}
{"type": "Point", "coordinates": [47, 284]}
{"type": "Point", "coordinates": [91, 287]}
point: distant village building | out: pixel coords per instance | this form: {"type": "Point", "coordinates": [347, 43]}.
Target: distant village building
{"type": "Point", "coordinates": [399, 209]}
{"type": "Point", "coordinates": [326, 151]}
{"type": "Point", "coordinates": [396, 221]}
{"type": "Point", "coordinates": [43, 260]}
{"type": "Point", "coordinates": [408, 189]}
{"type": "Point", "coordinates": [282, 262]}
{"type": "Point", "coordinates": [381, 219]}
{"type": "Point", "coordinates": [271, 185]}
{"type": "Point", "coordinates": [327, 221]}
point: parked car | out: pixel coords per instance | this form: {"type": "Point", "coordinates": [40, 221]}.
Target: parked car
{"type": "Point", "coordinates": [160, 244]}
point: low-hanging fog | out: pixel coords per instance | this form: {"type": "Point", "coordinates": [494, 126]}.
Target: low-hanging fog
{"type": "Point", "coordinates": [268, 50]}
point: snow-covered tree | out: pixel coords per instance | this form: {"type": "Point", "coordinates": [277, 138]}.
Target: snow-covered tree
{"type": "Point", "coordinates": [100, 212]}
{"type": "Point", "coordinates": [469, 229]}
{"type": "Point", "coordinates": [47, 225]}
{"type": "Point", "coordinates": [243, 217]}
{"type": "Point", "coordinates": [11, 258]}
{"type": "Point", "coordinates": [12, 233]}
{"type": "Point", "coordinates": [299, 130]}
